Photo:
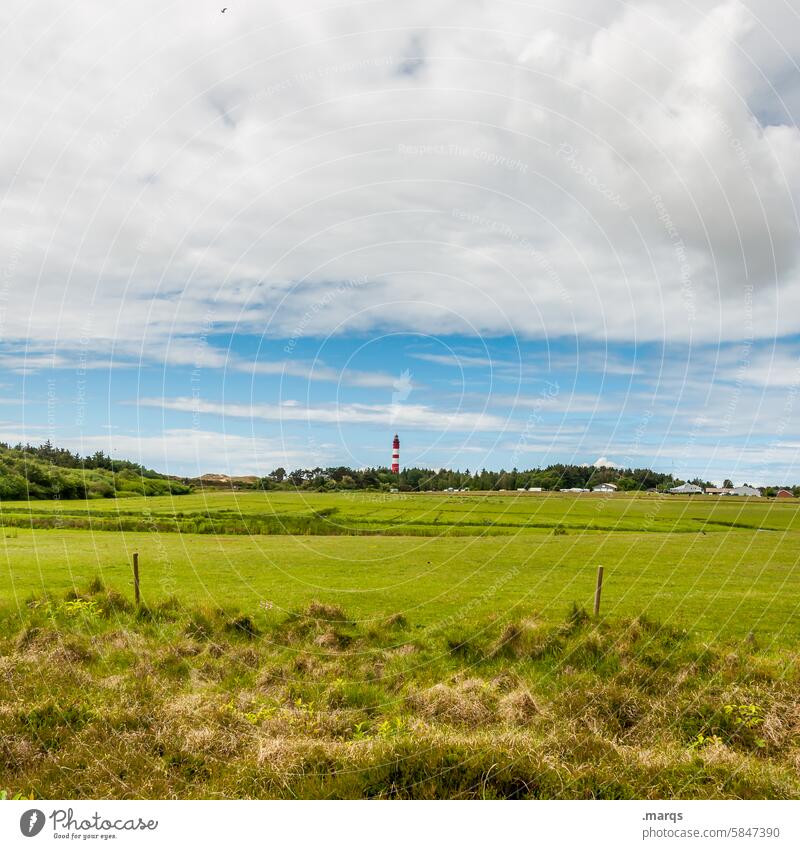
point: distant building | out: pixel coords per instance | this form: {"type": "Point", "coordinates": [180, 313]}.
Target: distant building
{"type": "Point", "coordinates": [735, 490]}
{"type": "Point", "coordinates": [784, 493]}
{"type": "Point", "coordinates": [534, 489]}
{"type": "Point", "coordinates": [605, 487]}
{"type": "Point", "coordinates": [686, 489]}
{"type": "Point", "coordinates": [745, 490]}
{"type": "Point", "coordinates": [574, 489]}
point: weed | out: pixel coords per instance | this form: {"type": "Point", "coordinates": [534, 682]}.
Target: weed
{"type": "Point", "coordinates": [360, 731]}
{"type": "Point", "coordinates": [5, 795]}
{"type": "Point", "coordinates": [81, 607]}
{"type": "Point", "coordinates": [733, 724]}
{"type": "Point", "coordinates": [264, 713]}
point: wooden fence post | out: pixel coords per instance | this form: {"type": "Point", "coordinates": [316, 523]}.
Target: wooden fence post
{"type": "Point", "coordinates": [136, 577]}
{"type": "Point", "coordinates": [598, 589]}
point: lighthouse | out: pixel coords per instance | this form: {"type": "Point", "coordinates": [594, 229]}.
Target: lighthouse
{"type": "Point", "coordinates": [396, 454]}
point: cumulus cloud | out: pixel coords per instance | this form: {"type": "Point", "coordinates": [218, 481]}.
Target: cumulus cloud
{"type": "Point", "coordinates": [621, 172]}
{"type": "Point", "coordinates": [604, 462]}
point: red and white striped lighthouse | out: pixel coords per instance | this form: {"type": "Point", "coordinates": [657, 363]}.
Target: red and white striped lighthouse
{"type": "Point", "coordinates": [396, 454]}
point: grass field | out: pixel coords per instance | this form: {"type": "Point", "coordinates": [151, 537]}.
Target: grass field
{"type": "Point", "coordinates": [382, 614]}
{"type": "Point", "coordinates": [720, 567]}
{"type": "Point", "coordinates": [355, 513]}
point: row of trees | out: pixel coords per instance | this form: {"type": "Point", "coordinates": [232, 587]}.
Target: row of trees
{"type": "Point", "coordinates": [64, 458]}
{"type": "Point", "coordinates": [43, 471]}
{"type": "Point", "coordinates": [553, 477]}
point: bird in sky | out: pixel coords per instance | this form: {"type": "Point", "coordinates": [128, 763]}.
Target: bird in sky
{"type": "Point", "coordinates": [224, 10]}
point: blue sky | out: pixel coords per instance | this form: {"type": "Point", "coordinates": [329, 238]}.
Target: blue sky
{"type": "Point", "coordinates": [456, 402]}
{"type": "Point", "coordinates": [513, 235]}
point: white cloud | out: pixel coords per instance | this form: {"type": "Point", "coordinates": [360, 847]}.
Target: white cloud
{"type": "Point", "coordinates": [189, 452]}
{"type": "Point", "coordinates": [776, 369]}
{"type": "Point", "coordinates": [393, 415]}
{"type": "Point", "coordinates": [623, 172]}
{"type": "Point", "coordinates": [197, 354]}
{"type": "Point", "coordinates": [461, 360]}
{"type": "Point", "coordinates": [602, 462]}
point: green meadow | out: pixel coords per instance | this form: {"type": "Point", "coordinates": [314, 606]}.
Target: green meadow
{"type": "Point", "coordinates": [392, 645]}
{"type": "Point", "coordinates": [416, 514]}
{"type": "Point", "coordinates": [719, 567]}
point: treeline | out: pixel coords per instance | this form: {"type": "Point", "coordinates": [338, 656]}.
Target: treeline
{"type": "Point", "coordinates": [65, 458]}
{"type": "Point", "coordinates": [44, 471]}
{"type": "Point", "coordinates": [554, 477]}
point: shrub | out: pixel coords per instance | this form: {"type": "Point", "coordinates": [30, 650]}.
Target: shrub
{"type": "Point", "coordinates": [509, 642]}
{"type": "Point", "coordinates": [199, 626]}
{"type": "Point", "coordinates": [112, 602]}
{"type": "Point", "coordinates": [396, 620]}
{"type": "Point", "coordinates": [325, 612]}
{"type": "Point", "coordinates": [576, 618]}
{"type": "Point", "coordinates": [463, 644]}
{"type": "Point", "coordinates": [96, 585]}
{"type": "Point", "coordinates": [242, 626]}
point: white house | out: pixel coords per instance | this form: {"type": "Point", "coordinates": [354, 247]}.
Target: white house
{"type": "Point", "coordinates": [686, 489]}
{"type": "Point", "coordinates": [745, 490]}
{"type": "Point", "coordinates": [605, 487]}
{"type": "Point", "coordinates": [734, 490]}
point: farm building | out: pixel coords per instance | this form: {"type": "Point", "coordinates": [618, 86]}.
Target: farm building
{"type": "Point", "coordinates": [784, 493]}
{"type": "Point", "coordinates": [605, 487]}
{"type": "Point", "coordinates": [745, 490]}
{"type": "Point", "coordinates": [734, 490]}
{"type": "Point", "coordinates": [686, 489]}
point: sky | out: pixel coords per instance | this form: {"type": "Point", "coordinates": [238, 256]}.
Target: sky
{"type": "Point", "coordinates": [514, 233]}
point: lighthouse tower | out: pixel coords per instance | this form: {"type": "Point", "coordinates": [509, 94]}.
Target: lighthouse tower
{"type": "Point", "coordinates": [396, 454]}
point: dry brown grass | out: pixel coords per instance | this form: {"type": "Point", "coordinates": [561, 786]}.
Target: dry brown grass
{"type": "Point", "coordinates": [518, 707]}
{"type": "Point", "coordinates": [471, 702]}
{"type": "Point", "coordinates": [312, 705]}
{"type": "Point", "coordinates": [325, 612]}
